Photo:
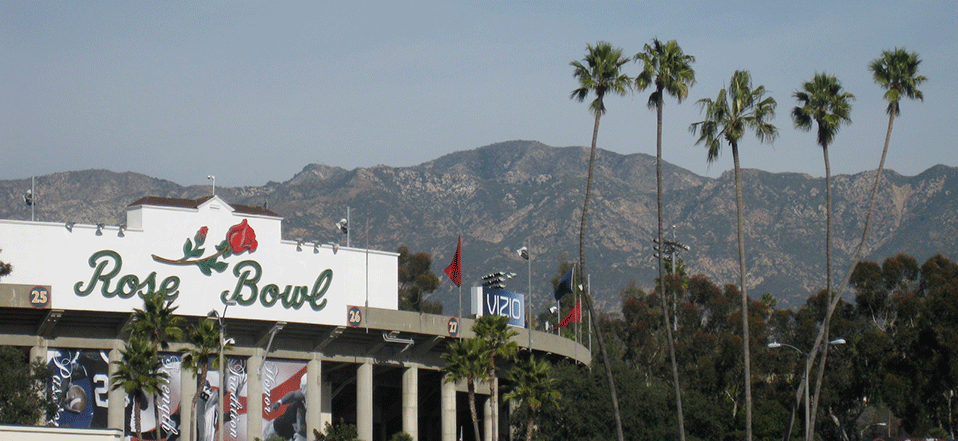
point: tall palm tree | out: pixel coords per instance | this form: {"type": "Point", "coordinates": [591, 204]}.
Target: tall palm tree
{"type": "Point", "coordinates": [670, 70]}
{"type": "Point", "coordinates": [157, 322]}
{"type": "Point", "coordinates": [468, 360]}
{"type": "Point", "coordinates": [534, 387]}
{"type": "Point", "coordinates": [495, 331]}
{"type": "Point", "coordinates": [599, 73]}
{"type": "Point", "coordinates": [201, 356]}
{"type": "Point", "coordinates": [896, 71]}
{"type": "Point", "coordinates": [824, 103]}
{"type": "Point", "coordinates": [139, 374]}
{"type": "Point", "coordinates": [738, 109]}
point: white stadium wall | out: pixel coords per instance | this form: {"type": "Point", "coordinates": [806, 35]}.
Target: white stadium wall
{"type": "Point", "coordinates": [318, 334]}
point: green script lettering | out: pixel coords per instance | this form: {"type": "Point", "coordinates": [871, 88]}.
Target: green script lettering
{"type": "Point", "coordinates": [248, 274]}
{"type": "Point", "coordinates": [243, 279]}
{"type": "Point", "coordinates": [106, 265]}
{"type": "Point", "coordinates": [319, 290]}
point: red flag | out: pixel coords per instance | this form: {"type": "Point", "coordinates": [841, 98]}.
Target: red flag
{"type": "Point", "coordinates": [454, 270]}
{"type": "Point", "coordinates": [574, 316]}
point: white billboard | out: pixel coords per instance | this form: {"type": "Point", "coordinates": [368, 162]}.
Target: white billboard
{"type": "Point", "coordinates": [202, 257]}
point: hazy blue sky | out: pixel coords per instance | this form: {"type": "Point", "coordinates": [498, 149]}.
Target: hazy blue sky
{"type": "Point", "coordinates": [254, 91]}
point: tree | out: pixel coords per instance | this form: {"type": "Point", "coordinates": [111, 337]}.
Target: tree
{"type": "Point", "coordinates": [201, 356]}
{"type": "Point", "coordinates": [415, 280]}
{"type": "Point", "coordinates": [5, 267]}
{"type": "Point", "coordinates": [139, 374]}
{"type": "Point", "coordinates": [897, 72]}
{"type": "Point", "coordinates": [600, 74]}
{"type": "Point", "coordinates": [495, 331]}
{"type": "Point", "coordinates": [534, 387]}
{"type": "Point", "coordinates": [468, 360]}
{"type": "Point", "coordinates": [157, 323]}
{"type": "Point", "coordinates": [339, 432]}
{"type": "Point", "coordinates": [670, 70]}
{"type": "Point", "coordinates": [824, 103]}
{"type": "Point", "coordinates": [24, 391]}
{"type": "Point", "coordinates": [736, 110]}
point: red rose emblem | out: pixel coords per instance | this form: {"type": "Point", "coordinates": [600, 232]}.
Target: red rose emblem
{"type": "Point", "coordinates": [201, 235]}
{"type": "Point", "coordinates": [241, 237]}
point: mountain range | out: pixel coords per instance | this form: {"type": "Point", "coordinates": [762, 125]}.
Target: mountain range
{"type": "Point", "coordinates": [523, 193]}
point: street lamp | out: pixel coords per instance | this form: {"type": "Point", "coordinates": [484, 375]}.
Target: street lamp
{"type": "Point", "coordinates": [861, 436]}
{"type": "Point", "coordinates": [808, 368]}
{"type": "Point", "coordinates": [220, 319]}
{"type": "Point", "coordinates": [527, 256]}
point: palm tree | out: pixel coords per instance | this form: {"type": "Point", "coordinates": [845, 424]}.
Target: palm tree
{"type": "Point", "coordinates": [534, 387]}
{"type": "Point", "coordinates": [670, 69]}
{"type": "Point", "coordinates": [736, 110]}
{"type": "Point", "coordinates": [157, 322]}
{"type": "Point", "coordinates": [897, 72]}
{"type": "Point", "coordinates": [600, 74]}
{"type": "Point", "coordinates": [468, 360]}
{"type": "Point", "coordinates": [495, 331]}
{"type": "Point", "coordinates": [822, 102]}
{"type": "Point", "coordinates": [201, 356]}
{"type": "Point", "coordinates": [139, 374]}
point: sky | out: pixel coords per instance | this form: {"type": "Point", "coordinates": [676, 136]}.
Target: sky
{"type": "Point", "coordinates": [252, 92]}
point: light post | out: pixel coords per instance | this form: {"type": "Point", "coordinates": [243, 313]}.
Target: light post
{"type": "Point", "coordinates": [808, 368]}
{"type": "Point", "coordinates": [220, 319]}
{"type": "Point", "coordinates": [861, 435]}
{"type": "Point", "coordinates": [525, 254]}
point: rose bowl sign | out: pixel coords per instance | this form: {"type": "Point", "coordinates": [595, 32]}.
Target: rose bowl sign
{"type": "Point", "coordinates": [200, 253]}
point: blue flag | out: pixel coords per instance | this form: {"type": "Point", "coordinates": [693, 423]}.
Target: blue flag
{"type": "Point", "coordinates": [565, 285]}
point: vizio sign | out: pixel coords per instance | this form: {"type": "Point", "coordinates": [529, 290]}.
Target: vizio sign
{"type": "Point", "coordinates": [506, 303]}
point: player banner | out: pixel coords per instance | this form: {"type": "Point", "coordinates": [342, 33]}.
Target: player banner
{"type": "Point", "coordinates": [80, 386]}
{"type": "Point", "coordinates": [284, 399]}
{"type": "Point", "coordinates": [234, 394]}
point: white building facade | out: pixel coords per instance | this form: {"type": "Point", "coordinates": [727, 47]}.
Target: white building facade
{"type": "Point", "coordinates": [317, 334]}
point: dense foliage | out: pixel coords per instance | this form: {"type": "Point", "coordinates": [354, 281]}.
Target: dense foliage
{"type": "Point", "coordinates": [23, 391]}
{"type": "Point", "coordinates": [416, 281]}
{"type": "Point", "coordinates": [897, 366]}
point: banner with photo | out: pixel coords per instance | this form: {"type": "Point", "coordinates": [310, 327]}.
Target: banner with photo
{"type": "Point", "coordinates": [235, 396]}
{"type": "Point", "coordinates": [80, 385]}
{"type": "Point", "coordinates": [164, 405]}
{"type": "Point", "coordinates": [284, 399]}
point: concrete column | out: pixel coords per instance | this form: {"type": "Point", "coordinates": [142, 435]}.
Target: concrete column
{"type": "Point", "coordinates": [487, 420]}
{"type": "Point", "coordinates": [410, 402]}
{"type": "Point", "coordinates": [39, 351]}
{"type": "Point", "coordinates": [187, 390]}
{"type": "Point", "coordinates": [364, 401]}
{"type": "Point", "coordinates": [254, 395]}
{"type": "Point", "coordinates": [117, 397]}
{"type": "Point", "coordinates": [314, 395]}
{"type": "Point", "coordinates": [326, 406]}
{"type": "Point", "coordinates": [448, 400]}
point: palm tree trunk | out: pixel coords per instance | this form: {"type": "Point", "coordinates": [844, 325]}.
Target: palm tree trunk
{"type": "Point", "coordinates": [137, 418]}
{"type": "Point", "coordinates": [740, 209]}
{"type": "Point", "coordinates": [861, 245]}
{"type": "Point", "coordinates": [662, 281]}
{"type": "Point", "coordinates": [196, 398]}
{"type": "Point", "coordinates": [530, 424]}
{"type": "Point", "coordinates": [472, 409]}
{"type": "Point", "coordinates": [826, 324]}
{"type": "Point", "coordinates": [600, 339]}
